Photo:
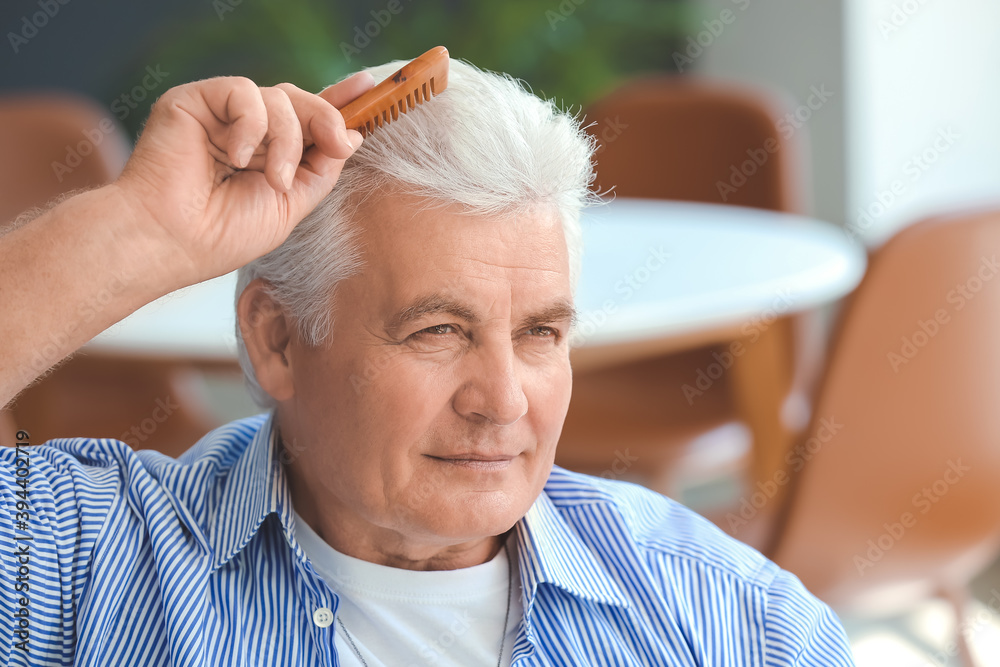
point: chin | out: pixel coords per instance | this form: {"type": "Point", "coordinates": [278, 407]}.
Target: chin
{"type": "Point", "coordinates": [476, 517]}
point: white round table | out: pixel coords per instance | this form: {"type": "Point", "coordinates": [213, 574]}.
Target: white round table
{"type": "Point", "coordinates": [660, 276]}
{"type": "Point", "coordinates": [657, 276]}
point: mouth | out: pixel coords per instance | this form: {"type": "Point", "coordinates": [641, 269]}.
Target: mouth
{"type": "Point", "coordinates": [477, 461]}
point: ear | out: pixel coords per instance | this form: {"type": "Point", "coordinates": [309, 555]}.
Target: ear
{"type": "Point", "coordinates": [266, 333]}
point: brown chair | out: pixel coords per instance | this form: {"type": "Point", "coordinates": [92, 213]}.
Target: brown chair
{"type": "Point", "coordinates": [687, 139]}
{"type": "Point", "coordinates": [51, 144]}
{"type": "Point", "coordinates": [54, 143]}
{"type": "Point", "coordinates": [676, 138]}
{"type": "Point", "coordinates": [898, 489]}
{"type": "Point", "coordinates": [8, 430]}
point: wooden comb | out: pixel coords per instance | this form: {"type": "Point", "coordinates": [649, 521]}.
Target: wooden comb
{"type": "Point", "coordinates": [414, 84]}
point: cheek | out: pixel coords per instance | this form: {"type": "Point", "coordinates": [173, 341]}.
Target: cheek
{"type": "Point", "coordinates": [343, 398]}
{"type": "Point", "coordinates": [548, 397]}
{"type": "Point", "coordinates": [403, 396]}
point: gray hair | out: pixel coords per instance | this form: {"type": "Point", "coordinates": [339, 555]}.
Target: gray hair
{"type": "Point", "coordinates": [485, 143]}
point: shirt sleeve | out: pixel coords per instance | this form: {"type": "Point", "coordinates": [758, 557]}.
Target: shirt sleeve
{"type": "Point", "coordinates": [801, 630]}
{"type": "Point", "coordinates": [52, 509]}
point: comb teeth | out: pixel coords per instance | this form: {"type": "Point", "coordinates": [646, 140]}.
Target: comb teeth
{"type": "Point", "coordinates": [414, 84]}
{"type": "Point", "coordinates": [416, 96]}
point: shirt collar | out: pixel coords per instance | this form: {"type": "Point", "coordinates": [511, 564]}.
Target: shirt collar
{"type": "Point", "coordinates": [549, 549]}
{"type": "Point", "coordinates": [256, 487]}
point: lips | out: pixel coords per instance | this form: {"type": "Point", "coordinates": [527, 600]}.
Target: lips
{"type": "Point", "coordinates": [476, 461]}
{"type": "Point", "coordinates": [474, 457]}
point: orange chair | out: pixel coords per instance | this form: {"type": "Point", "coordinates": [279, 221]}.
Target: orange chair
{"type": "Point", "coordinates": [51, 144]}
{"type": "Point", "coordinates": [8, 430]}
{"type": "Point", "coordinates": [674, 138]}
{"type": "Point", "coordinates": [897, 492]}
{"type": "Point", "coordinates": [686, 139]}
{"type": "Point", "coordinates": [54, 143]}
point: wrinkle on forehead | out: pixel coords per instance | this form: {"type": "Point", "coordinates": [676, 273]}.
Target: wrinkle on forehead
{"type": "Point", "coordinates": [413, 252]}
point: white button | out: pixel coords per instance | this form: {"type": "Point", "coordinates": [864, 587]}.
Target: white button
{"type": "Point", "coordinates": [323, 617]}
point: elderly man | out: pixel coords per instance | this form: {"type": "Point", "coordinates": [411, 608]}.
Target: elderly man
{"type": "Point", "coordinates": [398, 505]}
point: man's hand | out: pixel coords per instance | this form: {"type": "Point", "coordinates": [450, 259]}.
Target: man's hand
{"type": "Point", "coordinates": [222, 173]}
{"type": "Point", "coordinates": [225, 169]}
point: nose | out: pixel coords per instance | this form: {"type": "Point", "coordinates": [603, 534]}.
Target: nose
{"type": "Point", "coordinates": [492, 390]}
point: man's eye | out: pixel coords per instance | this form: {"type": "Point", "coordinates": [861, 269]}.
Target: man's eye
{"type": "Point", "coordinates": [543, 332]}
{"type": "Point", "coordinates": [438, 329]}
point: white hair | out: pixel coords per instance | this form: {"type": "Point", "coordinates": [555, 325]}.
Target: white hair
{"type": "Point", "coordinates": [485, 143]}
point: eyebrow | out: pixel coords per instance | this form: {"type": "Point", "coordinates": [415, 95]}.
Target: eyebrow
{"type": "Point", "coordinates": [435, 304]}
{"type": "Point", "coordinates": [560, 311]}
{"type": "Point", "coordinates": [432, 304]}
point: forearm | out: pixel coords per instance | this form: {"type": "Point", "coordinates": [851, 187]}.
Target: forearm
{"type": "Point", "coordinates": [70, 274]}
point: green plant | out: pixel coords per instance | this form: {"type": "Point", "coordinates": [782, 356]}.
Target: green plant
{"type": "Point", "coordinates": [570, 50]}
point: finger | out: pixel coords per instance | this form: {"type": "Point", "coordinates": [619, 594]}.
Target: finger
{"type": "Point", "coordinates": [283, 139]}
{"type": "Point", "coordinates": [247, 117]}
{"type": "Point", "coordinates": [339, 94]}
{"type": "Point", "coordinates": [229, 109]}
{"type": "Point", "coordinates": [321, 123]}
{"type": "Point", "coordinates": [316, 162]}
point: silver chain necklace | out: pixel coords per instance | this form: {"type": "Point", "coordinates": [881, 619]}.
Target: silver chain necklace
{"type": "Point", "coordinates": [506, 616]}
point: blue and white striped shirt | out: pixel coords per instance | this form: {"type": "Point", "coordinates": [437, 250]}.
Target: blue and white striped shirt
{"type": "Point", "coordinates": [138, 559]}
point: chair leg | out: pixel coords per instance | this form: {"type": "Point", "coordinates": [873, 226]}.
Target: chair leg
{"type": "Point", "coordinates": [959, 598]}
{"type": "Point", "coordinates": [761, 382]}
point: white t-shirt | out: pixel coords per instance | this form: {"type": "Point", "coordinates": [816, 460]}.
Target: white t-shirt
{"type": "Point", "coordinates": [399, 618]}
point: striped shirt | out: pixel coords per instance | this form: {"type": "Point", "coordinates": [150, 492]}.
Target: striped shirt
{"type": "Point", "coordinates": [118, 557]}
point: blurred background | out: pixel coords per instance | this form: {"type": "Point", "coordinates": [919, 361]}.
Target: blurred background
{"type": "Point", "coordinates": [855, 442]}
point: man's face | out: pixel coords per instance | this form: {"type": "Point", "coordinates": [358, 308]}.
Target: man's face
{"type": "Point", "coordinates": [434, 408]}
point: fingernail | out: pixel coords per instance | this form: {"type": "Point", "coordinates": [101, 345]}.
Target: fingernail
{"type": "Point", "coordinates": [287, 176]}
{"type": "Point", "coordinates": [354, 139]}
{"type": "Point", "coordinates": [244, 155]}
